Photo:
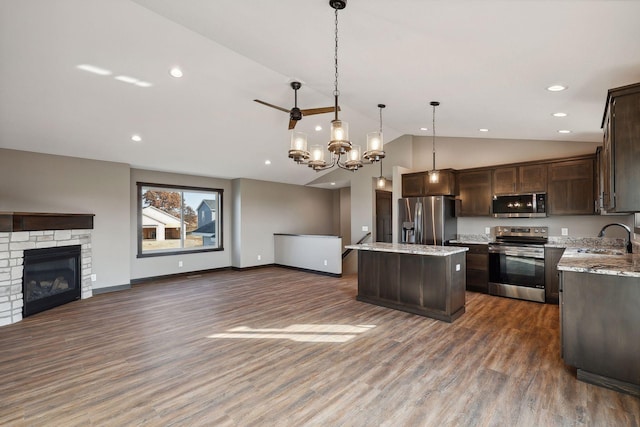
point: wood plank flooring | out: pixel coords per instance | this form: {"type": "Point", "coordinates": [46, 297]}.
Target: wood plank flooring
{"type": "Point", "coordinates": [278, 347]}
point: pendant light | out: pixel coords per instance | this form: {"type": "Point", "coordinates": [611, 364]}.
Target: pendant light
{"type": "Point", "coordinates": [375, 141]}
{"type": "Point", "coordinates": [339, 144]}
{"type": "Point", "coordinates": [434, 176]}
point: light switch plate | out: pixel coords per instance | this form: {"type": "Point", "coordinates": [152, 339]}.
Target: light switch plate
{"type": "Point", "coordinates": [487, 230]}
{"type": "Point", "coordinates": [365, 228]}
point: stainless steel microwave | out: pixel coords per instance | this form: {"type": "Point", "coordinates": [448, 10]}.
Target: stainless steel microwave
{"type": "Point", "coordinates": [529, 205]}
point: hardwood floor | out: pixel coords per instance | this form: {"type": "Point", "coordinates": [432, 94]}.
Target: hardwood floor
{"type": "Point", "coordinates": [280, 347]}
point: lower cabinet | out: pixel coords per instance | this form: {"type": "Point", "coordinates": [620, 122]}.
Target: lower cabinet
{"type": "Point", "coordinates": [551, 277]}
{"type": "Point", "coordinates": [599, 329]}
{"type": "Point", "coordinates": [431, 286]}
{"type": "Point", "coordinates": [477, 267]}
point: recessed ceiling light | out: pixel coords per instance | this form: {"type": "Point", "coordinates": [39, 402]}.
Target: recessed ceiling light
{"type": "Point", "coordinates": [93, 69]}
{"type": "Point", "coordinates": [483, 130]}
{"type": "Point", "coordinates": [267, 162]}
{"type": "Point", "coordinates": [556, 88]}
{"type": "Point", "coordinates": [176, 72]}
{"type": "Point", "coordinates": [126, 79]}
{"type": "Point", "coordinates": [318, 128]}
{"type": "Point", "coordinates": [333, 183]}
{"type": "Point", "coordinates": [143, 84]}
{"type": "Point", "coordinates": [564, 131]}
{"type": "Point", "coordinates": [424, 128]}
{"type": "Point", "coordinates": [559, 114]}
{"type": "Point", "coordinates": [136, 138]}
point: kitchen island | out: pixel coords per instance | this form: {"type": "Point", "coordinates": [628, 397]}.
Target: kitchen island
{"type": "Point", "coordinates": [599, 315]}
{"type": "Point", "coordinates": [419, 279]}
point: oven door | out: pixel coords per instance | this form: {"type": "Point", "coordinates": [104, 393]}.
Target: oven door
{"type": "Point", "coordinates": [517, 271]}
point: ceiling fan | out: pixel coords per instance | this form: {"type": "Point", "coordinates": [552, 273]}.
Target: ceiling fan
{"type": "Point", "coordinates": [295, 113]}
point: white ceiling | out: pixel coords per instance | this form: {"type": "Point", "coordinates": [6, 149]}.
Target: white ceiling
{"type": "Point", "coordinates": [487, 62]}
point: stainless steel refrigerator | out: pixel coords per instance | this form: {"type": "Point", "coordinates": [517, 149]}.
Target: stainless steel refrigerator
{"type": "Point", "coordinates": [427, 220]}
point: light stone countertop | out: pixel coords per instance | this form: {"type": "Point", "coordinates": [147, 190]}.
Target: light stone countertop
{"type": "Point", "coordinates": [411, 249]}
{"type": "Point", "coordinates": [612, 262]}
{"type": "Point", "coordinates": [469, 242]}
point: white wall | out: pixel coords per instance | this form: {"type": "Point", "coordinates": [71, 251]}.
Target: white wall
{"type": "Point", "coordinates": [168, 264]}
{"type": "Point", "coordinates": [464, 153]}
{"type": "Point", "coordinates": [268, 207]}
{"type": "Point", "coordinates": [32, 182]}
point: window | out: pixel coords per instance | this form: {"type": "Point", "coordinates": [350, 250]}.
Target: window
{"type": "Point", "coordinates": [174, 219]}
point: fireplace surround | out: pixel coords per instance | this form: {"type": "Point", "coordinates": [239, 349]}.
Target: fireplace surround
{"type": "Point", "coordinates": [22, 232]}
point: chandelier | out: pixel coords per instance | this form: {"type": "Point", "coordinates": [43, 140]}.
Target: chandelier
{"type": "Point", "coordinates": [434, 176]}
{"type": "Point", "coordinates": [339, 144]}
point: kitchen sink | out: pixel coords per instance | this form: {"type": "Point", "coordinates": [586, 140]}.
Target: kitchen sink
{"type": "Point", "coordinates": [600, 251]}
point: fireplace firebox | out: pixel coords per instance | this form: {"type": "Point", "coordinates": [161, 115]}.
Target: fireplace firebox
{"type": "Point", "coordinates": [51, 278]}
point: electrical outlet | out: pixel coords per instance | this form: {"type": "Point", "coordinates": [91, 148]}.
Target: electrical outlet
{"type": "Point", "coordinates": [365, 228]}
{"type": "Point", "coordinates": [564, 231]}
{"type": "Point", "coordinates": [259, 257]}
{"type": "Point", "coordinates": [94, 277]}
{"type": "Point", "coordinates": [487, 230]}
{"type": "Point", "coordinates": [325, 262]}
{"type": "Point", "coordinates": [179, 263]}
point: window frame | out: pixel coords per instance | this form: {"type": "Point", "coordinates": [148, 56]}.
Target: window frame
{"type": "Point", "coordinates": [181, 189]}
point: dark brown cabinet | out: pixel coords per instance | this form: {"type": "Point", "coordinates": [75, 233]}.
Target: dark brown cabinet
{"type": "Point", "coordinates": [551, 277]}
{"type": "Point", "coordinates": [477, 267]}
{"type": "Point", "coordinates": [571, 187]}
{"type": "Point", "coordinates": [520, 179]}
{"type": "Point", "coordinates": [432, 286]}
{"type": "Point", "coordinates": [474, 187]}
{"type": "Point", "coordinates": [621, 150]}
{"type": "Point", "coordinates": [417, 184]}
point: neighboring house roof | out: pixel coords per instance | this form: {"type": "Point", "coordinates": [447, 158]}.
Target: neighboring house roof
{"type": "Point", "coordinates": [206, 230]}
{"type": "Point", "coordinates": [152, 216]}
{"type": "Point", "coordinates": [211, 204]}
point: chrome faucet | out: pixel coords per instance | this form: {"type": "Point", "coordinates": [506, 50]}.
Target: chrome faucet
{"type": "Point", "coordinates": [629, 245]}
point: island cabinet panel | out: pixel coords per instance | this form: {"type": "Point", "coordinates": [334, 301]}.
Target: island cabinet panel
{"type": "Point", "coordinates": [432, 286]}
{"type": "Point", "coordinates": [368, 270]}
{"type": "Point", "coordinates": [599, 325]}
{"type": "Point", "coordinates": [410, 286]}
{"type": "Point", "coordinates": [388, 275]}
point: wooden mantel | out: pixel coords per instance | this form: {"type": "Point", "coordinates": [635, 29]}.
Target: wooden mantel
{"type": "Point", "coordinates": [32, 221]}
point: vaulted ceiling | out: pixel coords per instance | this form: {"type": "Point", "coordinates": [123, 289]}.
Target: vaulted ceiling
{"type": "Point", "coordinates": [488, 63]}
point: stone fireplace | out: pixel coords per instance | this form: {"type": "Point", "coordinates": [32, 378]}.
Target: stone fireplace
{"type": "Point", "coordinates": [43, 234]}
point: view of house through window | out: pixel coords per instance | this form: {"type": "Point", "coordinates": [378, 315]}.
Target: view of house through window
{"type": "Point", "coordinates": [175, 219]}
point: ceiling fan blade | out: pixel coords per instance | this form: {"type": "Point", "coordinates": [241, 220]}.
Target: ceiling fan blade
{"type": "Point", "coordinates": [271, 105]}
{"type": "Point", "coordinates": [292, 124]}
{"type": "Point", "coordinates": [311, 111]}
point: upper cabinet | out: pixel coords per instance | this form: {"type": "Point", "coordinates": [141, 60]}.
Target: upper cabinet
{"type": "Point", "coordinates": [520, 179]}
{"type": "Point", "coordinates": [620, 155]}
{"type": "Point", "coordinates": [474, 187]}
{"type": "Point", "coordinates": [571, 187]}
{"type": "Point", "coordinates": [417, 184]}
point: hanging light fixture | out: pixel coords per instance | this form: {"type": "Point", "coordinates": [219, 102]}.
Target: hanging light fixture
{"type": "Point", "coordinates": [374, 142]}
{"type": "Point", "coordinates": [339, 144]}
{"type": "Point", "coordinates": [434, 176]}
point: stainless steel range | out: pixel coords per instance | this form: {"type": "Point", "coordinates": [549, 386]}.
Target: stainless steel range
{"type": "Point", "coordinates": [516, 262]}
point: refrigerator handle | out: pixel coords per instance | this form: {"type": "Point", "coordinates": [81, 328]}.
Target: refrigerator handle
{"type": "Point", "coordinates": [418, 217]}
